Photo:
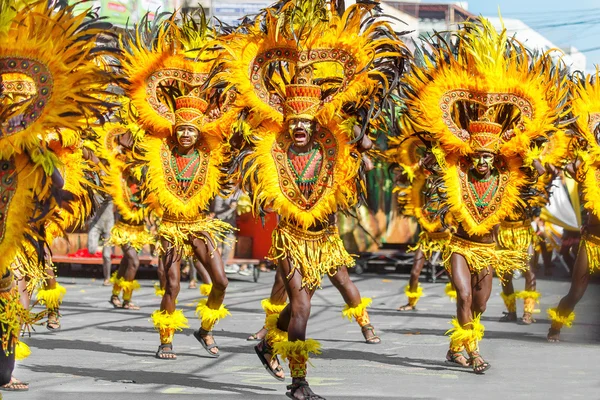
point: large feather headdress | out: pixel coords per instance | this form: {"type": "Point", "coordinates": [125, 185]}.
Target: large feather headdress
{"type": "Point", "coordinates": [479, 74]}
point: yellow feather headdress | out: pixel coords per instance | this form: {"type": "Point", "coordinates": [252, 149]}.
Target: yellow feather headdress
{"type": "Point", "coordinates": [55, 49]}
{"type": "Point", "coordinates": [479, 72]}
{"type": "Point", "coordinates": [165, 60]}
{"type": "Point", "coordinates": [343, 54]}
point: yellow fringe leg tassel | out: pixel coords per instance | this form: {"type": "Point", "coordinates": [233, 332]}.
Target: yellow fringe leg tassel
{"type": "Point", "coordinates": [297, 353]}
{"type": "Point", "coordinates": [167, 323]}
{"type": "Point", "coordinates": [510, 301]}
{"type": "Point", "coordinates": [209, 316]}
{"type": "Point", "coordinates": [274, 334]}
{"type": "Point", "coordinates": [450, 291]}
{"type": "Point", "coordinates": [116, 284]}
{"type": "Point", "coordinates": [558, 322]}
{"type": "Point", "coordinates": [205, 289]}
{"type": "Point", "coordinates": [413, 297]}
{"type": "Point", "coordinates": [52, 298]}
{"type": "Point", "coordinates": [359, 313]}
{"type": "Point", "coordinates": [271, 309]}
{"type": "Point", "coordinates": [530, 299]}
{"type": "Point", "coordinates": [158, 291]}
{"type": "Point", "coordinates": [128, 288]}
{"type": "Point", "coordinates": [467, 336]}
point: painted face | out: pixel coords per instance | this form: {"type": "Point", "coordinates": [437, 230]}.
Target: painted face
{"type": "Point", "coordinates": [483, 162]}
{"type": "Point", "coordinates": [187, 135]}
{"type": "Point", "coordinates": [301, 131]}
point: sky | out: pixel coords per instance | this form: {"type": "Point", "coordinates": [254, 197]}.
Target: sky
{"type": "Point", "coordinates": [565, 23]}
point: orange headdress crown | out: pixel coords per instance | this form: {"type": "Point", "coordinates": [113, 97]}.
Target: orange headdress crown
{"type": "Point", "coordinates": [485, 136]}
{"type": "Point", "coordinates": [302, 101]}
{"type": "Point", "coordinates": [189, 110]}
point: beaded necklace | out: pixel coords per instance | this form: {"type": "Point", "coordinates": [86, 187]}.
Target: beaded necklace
{"type": "Point", "coordinates": [185, 166]}
{"type": "Point", "coordinates": [488, 186]}
{"type": "Point", "coordinates": [305, 167]}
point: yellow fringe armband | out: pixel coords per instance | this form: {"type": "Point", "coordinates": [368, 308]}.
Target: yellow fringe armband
{"type": "Point", "coordinates": [358, 311]}
{"type": "Point", "coordinates": [271, 308]}
{"type": "Point", "coordinates": [592, 248]}
{"type": "Point", "coordinates": [164, 320]}
{"type": "Point", "coordinates": [274, 334]}
{"type": "Point", "coordinates": [205, 289]}
{"type": "Point", "coordinates": [510, 301]}
{"type": "Point", "coordinates": [22, 351]}
{"type": "Point", "coordinates": [52, 298]}
{"type": "Point", "coordinates": [482, 255]}
{"type": "Point", "coordinates": [209, 316]}
{"type": "Point", "coordinates": [450, 291]}
{"type": "Point", "coordinates": [566, 321]}
{"type": "Point", "coordinates": [313, 254]}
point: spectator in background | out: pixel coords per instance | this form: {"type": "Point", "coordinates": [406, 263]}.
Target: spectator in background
{"type": "Point", "coordinates": [225, 209]}
{"type": "Point", "coordinates": [100, 227]}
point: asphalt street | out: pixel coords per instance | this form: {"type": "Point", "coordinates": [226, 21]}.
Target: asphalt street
{"type": "Point", "coordinates": [103, 353]}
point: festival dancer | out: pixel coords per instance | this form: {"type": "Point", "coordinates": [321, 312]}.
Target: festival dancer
{"type": "Point", "coordinates": [122, 178]}
{"type": "Point", "coordinates": [356, 306]}
{"type": "Point", "coordinates": [47, 46]}
{"type": "Point", "coordinates": [481, 102]}
{"type": "Point", "coordinates": [519, 234]}
{"type": "Point", "coordinates": [305, 129]}
{"type": "Point", "coordinates": [184, 150]}
{"type": "Point", "coordinates": [414, 184]}
{"type": "Point", "coordinates": [585, 103]}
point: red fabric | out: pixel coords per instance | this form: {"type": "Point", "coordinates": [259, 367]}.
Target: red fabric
{"type": "Point", "coordinates": [84, 253]}
{"type": "Point", "coordinates": [261, 236]}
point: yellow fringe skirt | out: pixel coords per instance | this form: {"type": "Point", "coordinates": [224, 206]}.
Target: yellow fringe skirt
{"type": "Point", "coordinates": [181, 233]}
{"type": "Point", "coordinates": [481, 255]}
{"type": "Point", "coordinates": [312, 253]}
{"type": "Point", "coordinates": [592, 248]}
{"type": "Point", "coordinates": [517, 235]}
{"type": "Point", "coordinates": [134, 235]}
{"type": "Point", "coordinates": [431, 242]}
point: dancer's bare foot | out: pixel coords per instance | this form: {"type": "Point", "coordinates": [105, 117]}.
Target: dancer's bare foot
{"type": "Point", "coordinates": [15, 385]}
{"type": "Point", "coordinates": [300, 390]}
{"type": "Point", "coordinates": [270, 362]}
{"type": "Point", "coordinates": [368, 332]}
{"type": "Point", "coordinates": [508, 317]}
{"type": "Point", "coordinates": [457, 358]}
{"type": "Point", "coordinates": [406, 307]}
{"type": "Point", "coordinates": [527, 318]}
{"type": "Point", "coordinates": [260, 335]}
{"type": "Point", "coordinates": [553, 335]}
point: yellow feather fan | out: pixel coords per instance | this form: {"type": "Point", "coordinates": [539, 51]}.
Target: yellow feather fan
{"type": "Point", "coordinates": [52, 47]}
{"type": "Point", "coordinates": [585, 101]}
{"type": "Point", "coordinates": [20, 183]}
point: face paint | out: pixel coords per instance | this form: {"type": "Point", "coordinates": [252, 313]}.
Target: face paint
{"type": "Point", "coordinates": [187, 135]}
{"type": "Point", "coordinates": [301, 131]}
{"type": "Point", "coordinates": [484, 159]}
